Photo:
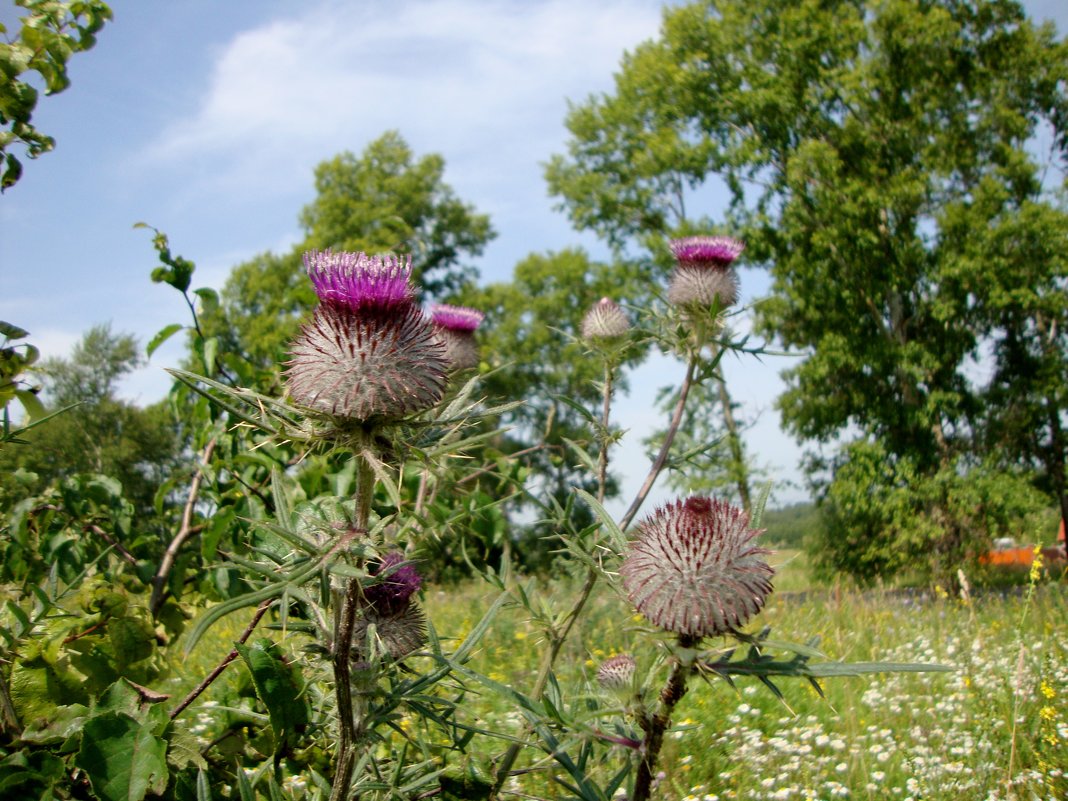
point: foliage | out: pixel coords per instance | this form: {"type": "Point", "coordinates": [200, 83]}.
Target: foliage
{"type": "Point", "coordinates": [49, 35]}
{"type": "Point", "coordinates": [15, 361]}
{"type": "Point", "coordinates": [98, 433]}
{"type": "Point", "coordinates": [792, 525]}
{"type": "Point", "coordinates": [882, 515]}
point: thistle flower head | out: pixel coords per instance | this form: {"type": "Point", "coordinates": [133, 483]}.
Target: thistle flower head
{"type": "Point", "coordinates": [358, 281]}
{"type": "Point", "coordinates": [701, 286]}
{"type": "Point", "coordinates": [455, 328]}
{"type": "Point", "coordinates": [399, 624]}
{"type": "Point", "coordinates": [369, 363]}
{"type": "Point", "coordinates": [605, 320]}
{"type": "Point", "coordinates": [456, 318]}
{"type": "Point", "coordinates": [616, 672]}
{"type": "Point", "coordinates": [693, 568]}
{"type": "Point", "coordinates": [398, 633]}
{"type": "Point", "coordinates": [395, 590]}
{"type": "Point", "coordinates": [706, 251]}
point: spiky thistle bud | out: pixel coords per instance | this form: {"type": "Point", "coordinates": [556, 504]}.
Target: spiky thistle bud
{"type": "Point", "coordinates": [605, 320]}
{"type": "Point", "coordinates": [455, 326]}
{"type": "Point", "coordinates": [693, 568]}
{"type": "Point", "coordinates": [616, 672]}
{"type": "Point", "coordinates": [703, 271]}
{"type": "Point", "coordinates": [368, 352]}
{"type": "Point", "coordinates": [397, 586]}
{"type": "Point", "coordinates": [387, 606]}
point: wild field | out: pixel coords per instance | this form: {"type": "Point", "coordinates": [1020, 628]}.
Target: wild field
{"type": "Point", "coordinates": [996, 727]}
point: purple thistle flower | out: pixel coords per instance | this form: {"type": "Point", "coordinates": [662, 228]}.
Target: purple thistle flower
{"type": "Point", "coordinates": [456, 318]}
{"type": "Point", "coordinates": [357, 281]}
{"type": "Point", "coordinates": [693, 568]}
{"type": "Point", "coordinates": [605, 320]}
{"type": "Point", "coordinates": [399, 624]}
{"type": "Point", "coordinates": [455, 327]}
{"type": "Point", "coordinates": [395, 590]}
{"type": "Point", "coordinates": [706, 251]}
{"type": "Point", "coordinates": [370, 363]}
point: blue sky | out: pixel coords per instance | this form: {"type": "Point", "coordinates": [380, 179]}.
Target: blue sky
{"type": "Point", "coordinates": [206, 119]}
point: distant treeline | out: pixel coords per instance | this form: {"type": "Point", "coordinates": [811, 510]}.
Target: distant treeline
{"type": "Point", "coordinates": [789, 526]}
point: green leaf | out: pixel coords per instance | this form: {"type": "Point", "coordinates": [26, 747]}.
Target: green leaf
{"type": "Point", "coordinates": [13, 331]}
{"type": "Point", "coordinates": [615, 534]}
{"type": "Point", "coordinates": [829, 669]}
{"type": "Point", "coordinates": [281, 688]}
{"type": "Point", "coordinates": [162, 336]}
{"type": "Point", "coordinates": [35, 410]}
{"type": "Point", "coordinates": [123, 759]}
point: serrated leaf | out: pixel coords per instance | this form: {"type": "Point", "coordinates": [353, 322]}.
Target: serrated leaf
{"type": "Point", "coordinates": [183, 749]}
{"type": "Point", "coordinates": [615, 535]}
{"type": "Point", "coordinates": [582, 455]}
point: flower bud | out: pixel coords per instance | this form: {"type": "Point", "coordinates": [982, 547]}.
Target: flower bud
{"type": "Point", "coordinates": [693, 568]}
{"type": "Point", "coordinates": [605, 320]}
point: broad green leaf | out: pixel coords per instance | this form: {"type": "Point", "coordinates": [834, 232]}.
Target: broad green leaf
{"type": "Point", "coordinates": [123, 759]}
{"type": "Point", "coordinates": [280, 686]}
{"type": "Point", "coordinates": [35, 410]}
{"type": "Point", "coordinates": [13, 331]}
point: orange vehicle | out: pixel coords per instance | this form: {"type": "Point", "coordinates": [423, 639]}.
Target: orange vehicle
{"type": "Point", "coordinates": [1007, 552]}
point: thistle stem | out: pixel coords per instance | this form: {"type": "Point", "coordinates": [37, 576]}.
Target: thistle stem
{"type": "Point", "coordinates": [657, 725]}
{"type": "Point", "coordinates": [346, 623]}
{"type": "Point", "coordinates": [602, 462]}
{"type": "Point", "coordinates": [665, 448]}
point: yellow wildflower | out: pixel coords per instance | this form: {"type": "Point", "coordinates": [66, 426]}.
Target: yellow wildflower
{"type": "Point", "coordinates": [1036, 565]}
{"type": "Point", "coordinates": [1047, 691]}
{"type": "Point", "coordinates": [1048, 713]}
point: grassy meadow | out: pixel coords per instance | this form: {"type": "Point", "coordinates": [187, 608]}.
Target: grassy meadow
{"type": "Point", "coordinates": [995, 728]}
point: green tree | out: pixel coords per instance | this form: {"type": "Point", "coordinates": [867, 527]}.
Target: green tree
{"type": "Point", "coordinates": [852, 137]}
{"type": "Point", "coordinates": [49, 35]}
{"type": "Point", "coordinates": [101, 434]}
{"type": "Point", "coordinates": [384, 200]}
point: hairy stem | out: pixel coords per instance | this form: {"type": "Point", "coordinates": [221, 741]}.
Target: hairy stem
{"type": "Point", "coordinates": [602, 462]}
{"type": "Point", "coordinates": [342, 646]}
{"type": "Point", "coordinates": [657, 725]}
{"type": "Point", "coordinates": [346, 754]}
{"type": "Point", "coordinates": [665, 447]}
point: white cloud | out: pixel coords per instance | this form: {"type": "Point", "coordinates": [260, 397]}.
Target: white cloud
{"type": "Point", "coordinates": [483, 82]}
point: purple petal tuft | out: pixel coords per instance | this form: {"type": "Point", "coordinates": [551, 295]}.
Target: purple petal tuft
{"type": "Point", "coordinates": [706, 251]}
{"type": "Point", "coordinates": [357, 281]}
